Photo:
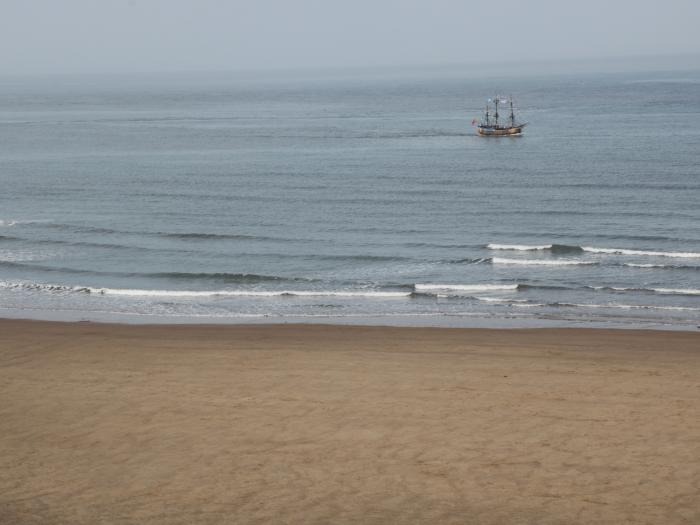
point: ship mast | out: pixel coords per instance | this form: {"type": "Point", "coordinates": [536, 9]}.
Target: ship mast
{"type": "Point", "coordinates": [487, 114]}
{"type": "Point", "coordinates": [496, 114]}
{"type": "Point", "coordinates": [512, 115]}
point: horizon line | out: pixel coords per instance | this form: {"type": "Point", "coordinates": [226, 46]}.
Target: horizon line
{"type": "Point", "coordinates": [551, 62]}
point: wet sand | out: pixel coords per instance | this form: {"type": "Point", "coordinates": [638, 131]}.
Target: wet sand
{"type": "Point", "coordinates": [103, 424]}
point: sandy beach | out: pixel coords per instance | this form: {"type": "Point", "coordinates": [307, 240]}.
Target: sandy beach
{"type": "Point", "coordinates": [327, 424]}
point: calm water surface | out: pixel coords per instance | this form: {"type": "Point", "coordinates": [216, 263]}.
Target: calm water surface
{"type": "Point", "coordinates": [366, 199]}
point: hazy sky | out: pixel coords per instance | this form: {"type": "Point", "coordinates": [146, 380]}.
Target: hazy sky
{"type": "Point", "coordinates": [53, 36]}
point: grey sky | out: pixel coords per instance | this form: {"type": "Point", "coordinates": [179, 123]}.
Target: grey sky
{"type": "Point", "coordinates": [53, 36]}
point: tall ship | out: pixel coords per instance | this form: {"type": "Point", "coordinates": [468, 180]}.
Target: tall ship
{"type": "Point", "coordinates": [491, 126]}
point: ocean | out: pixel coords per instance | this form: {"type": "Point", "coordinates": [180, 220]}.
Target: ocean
{"type": "Point", "coordinates": [356, 197]}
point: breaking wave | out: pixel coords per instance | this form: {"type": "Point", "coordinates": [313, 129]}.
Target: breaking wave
{"type": "Point", "coordinates": [203, 293]}
{"type": "Point", "coordinates": [662, 266]}
{"type": "Point", "coordinates": [553, 248]}
{"type": "Point", "coordinates": [544, 262]}
{"type": "Point", "coordinates": [624, 306]}
{"type": "Point", "coordinates": [246, 293]}
{"type": "Point", "coordinates": [471, 288]}
{"type": "Point", "coordinates": [625, 251]}
{"type": "Point", "coordinates": [564, 248]}
{"type": "Point", "coordinates": [518, 247]}
{"type": "Point", "coordinates": [43, 287]}
{"type": "Point", "coordinates": [676, 291]}
{"type": "Point", "coordinates": [409, 291]}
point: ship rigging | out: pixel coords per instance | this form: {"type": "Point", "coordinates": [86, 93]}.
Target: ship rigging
{"type": "Point", "coordinates": [490, 126]}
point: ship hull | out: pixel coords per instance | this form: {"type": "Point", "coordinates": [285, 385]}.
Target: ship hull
{"type": "Point", "coordinates": [499, 132]}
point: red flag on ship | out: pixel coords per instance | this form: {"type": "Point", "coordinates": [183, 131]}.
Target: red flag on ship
{"type": "Point", "coordinates": [474, 122]}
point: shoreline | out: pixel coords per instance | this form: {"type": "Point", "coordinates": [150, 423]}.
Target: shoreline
{"type": "Point", "coordinates": [467, 322]}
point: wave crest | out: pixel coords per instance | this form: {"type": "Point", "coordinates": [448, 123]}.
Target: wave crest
{"type": "Point", "coordinates": [554, 248]}
{"type": "Point", "coordinates": [204, 293]}
{"type": "Point", "coordinates": [472, 288]}
{"type": "Point", "coordinates": [517, 247]}
{"type": "Point", "coordinates": [565, 248]}
{"type": "Point", "coordinates": [544, 262]}
{"type": "Point", "coordinates": [625, 251]}
{"type": "Point", "coordinates": [662, 266]}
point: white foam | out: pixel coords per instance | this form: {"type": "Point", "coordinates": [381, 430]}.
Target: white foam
{"type": "Point", "coordinates": [542, 262]}
{"type": "Point", "coordinates": [246, 293]}
{"type": "Point", "coordinates": [493, 300]}
{"type": "Point", "coordinates": [501, 300]}
{"type": "Point", "coordinates": [349, 294]}
{"type": "Point", "coordinates": [527, 305]}
{"type": "Point", "coordinates": [203, 293]}
{"type": "Point", "coordinates": [518, 247]}
{"type": "Point", "coordinates": [43, 287]}
{"type": "Point", "coordinates": [680, 308]}
{"type": "Point", "coordinates": [634, 307]}
{"type": "Point", "coordinates": [681, 291]}
{"type": "Point", "coordinates": [152, 293]}
{"type": "Point", "coordinates": [625, 251]}
{"type": "Point", "coordinates": [473, 288]}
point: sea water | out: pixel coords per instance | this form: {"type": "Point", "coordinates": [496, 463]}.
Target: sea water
{"type": "Point", "coordinates": [351, 198]}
